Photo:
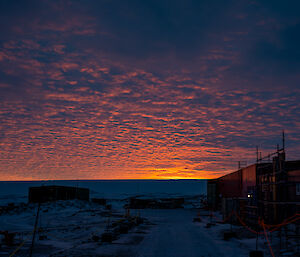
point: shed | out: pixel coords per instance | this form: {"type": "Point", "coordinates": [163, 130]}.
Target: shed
{"type": "Point", "coordinates": [54, 193]}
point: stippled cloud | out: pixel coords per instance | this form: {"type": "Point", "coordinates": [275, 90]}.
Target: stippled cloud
{"type": "Point", "coordinates": [97, 89]}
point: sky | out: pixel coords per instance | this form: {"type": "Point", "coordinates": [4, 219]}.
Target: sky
{"type": "Point", "coordinates": [152, 89]}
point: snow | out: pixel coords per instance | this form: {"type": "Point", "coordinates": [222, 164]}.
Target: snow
{"type": "Point", "coordinates": [177, 235]}
{"type": "Point", "coordinates": [71, 228]}
{"type": "Point", "coordinates": [70, 225]}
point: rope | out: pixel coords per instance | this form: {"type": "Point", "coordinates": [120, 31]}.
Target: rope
{"type": "Point", "coordinates": [224, 220]}
{"type": "Point", "coordinates": [271, 228]}
{"type": "Point", "coordinates": [266, 235]}
{"type": "Point", "coordinates": [245, 225]}
{"type": "Point", "coordinates": [285, 222]}
{"type": "Point", "coordinates": [20, 245]}
{"type": "Point", "coordinates": [275, 227]}
{"type": "Point", "coordinates": [240, 220]}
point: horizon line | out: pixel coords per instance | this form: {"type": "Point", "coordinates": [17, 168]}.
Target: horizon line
{"type": "Point", "coordinates": [42, 180]}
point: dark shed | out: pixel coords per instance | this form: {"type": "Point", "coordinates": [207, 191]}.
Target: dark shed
{"type": "Point", "coordinates": [213, 198]}
{"type": "Point", "coordinates": [54, 193]}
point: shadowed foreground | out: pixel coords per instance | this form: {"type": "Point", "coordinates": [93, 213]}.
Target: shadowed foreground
{"type": "Point", "coordinates": [176, 235]}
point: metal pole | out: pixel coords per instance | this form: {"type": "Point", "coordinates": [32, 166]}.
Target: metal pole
{"type": "Point", "coordinates": [35, 227]}
{"type": "Point", "coordinates": [260, 157]}
{"type": "Point", "coordinates": [256, 240]}
{"type": "Point", "coordinates": [283, 140]}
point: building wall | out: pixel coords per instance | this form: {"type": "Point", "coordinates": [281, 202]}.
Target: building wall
{"type": "Point", "coordinates": [212, 193]}
{"type": "Point", "coordinates": [275, 186]}
{"type": "Point", "coordinates": [294, 182]}
{"type": "Point", "coordinates": [54, 193]}
{"type": "Point", "coordinates": [231, 185]}
{"type": "Point", "coordinates": [248, 180]}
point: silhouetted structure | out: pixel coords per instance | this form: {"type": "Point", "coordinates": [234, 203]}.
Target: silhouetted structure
{"type": "Point", "coordinates": [268, 189]}
{"type": "Point", "coordinates": [100, 201]}
{"type": "Point", "coordinates": [54, 193]}
{"type": "Point", "coordinates": [163, 203]}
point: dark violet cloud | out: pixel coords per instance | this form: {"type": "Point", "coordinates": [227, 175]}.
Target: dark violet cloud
{"type": "Point", "coordinates": [145, 89]}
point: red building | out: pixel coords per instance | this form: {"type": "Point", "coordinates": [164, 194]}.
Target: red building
{"type": "Point", "coordinates": [269, 190]}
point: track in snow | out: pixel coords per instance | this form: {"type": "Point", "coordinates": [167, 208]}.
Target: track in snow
{"type": "Point", "coordinates": [175, 235]}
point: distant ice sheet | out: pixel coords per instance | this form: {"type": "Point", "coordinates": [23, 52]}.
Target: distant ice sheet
{"type": "Point", "coordinates": [17, 191]}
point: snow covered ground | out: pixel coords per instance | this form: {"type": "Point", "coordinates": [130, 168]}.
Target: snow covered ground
{"type": "Point", "coordinates": [76, 228]}
{"type": "Point", "coordinates": [177, 235]}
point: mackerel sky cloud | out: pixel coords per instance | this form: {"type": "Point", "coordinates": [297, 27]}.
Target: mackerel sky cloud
{"type": "Point", "coordinates": [145, 89]}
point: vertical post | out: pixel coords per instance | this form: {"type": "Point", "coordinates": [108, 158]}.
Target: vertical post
{"type": "Point", "coordinates": [256, 153]}
{"type": "Point", "coordinates": [256, 245]}
{"type": "Point", "coordinates": [297, 234]}
{"type": "Point", "coordinates": [280, 239]}
{"type": "Point", "coordinates": [283, 140]}
{"type": "Point", "coordinates": [35, 228]}
{"type": "Point", "coordinates": [232, 201]}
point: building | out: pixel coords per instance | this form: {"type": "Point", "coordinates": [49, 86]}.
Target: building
{"type": "Point", "coordinates": [213, 198]}
{"type": "Point", "coordinates": [277, 196]}
{"type": "Point", "coordinates": [54, 193]}
{"type": "Point", "coordinates": [267, 189]}
{"type": "Point", "coordinates": [237, 185]}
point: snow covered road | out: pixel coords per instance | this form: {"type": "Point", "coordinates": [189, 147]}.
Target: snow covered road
{"type": "Point", "coordinates": [175, 235]}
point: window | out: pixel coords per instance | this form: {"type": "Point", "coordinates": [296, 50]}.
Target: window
{"type": "Point", "coordinates": [298, 189]}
